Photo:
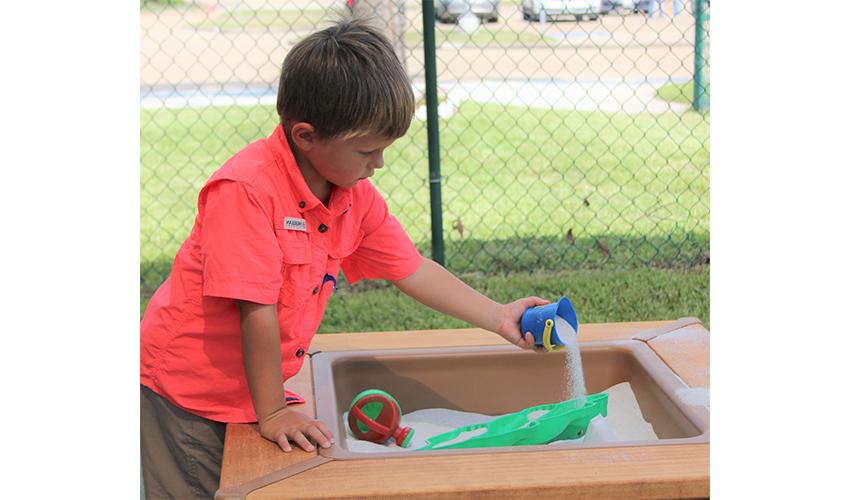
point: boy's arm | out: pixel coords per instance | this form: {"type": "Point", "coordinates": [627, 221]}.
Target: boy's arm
{"type": "Point", "coordinates": [437, 288]}
{"type": "Point", "coordinates": [261, 356]}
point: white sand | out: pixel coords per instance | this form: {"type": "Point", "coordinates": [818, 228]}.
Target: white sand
{"type": "Point", "coordinates": [624, 423]}
{"type": "Point", "coordinates": [536, 414]}
{"type": "Point", "coordinates": [565, 330]}
{"type": "Point", "coordinates": [463, 436]}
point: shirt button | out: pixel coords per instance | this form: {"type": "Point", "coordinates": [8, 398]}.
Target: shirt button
{"type": "Point", "coordinates": [315, 290]}
{"type": "Point", "coordinates": [322, 228]}
{"type": "Point", "coordinates": [300, 352]}
{"type": "Point", "coordinates": [301, 204]}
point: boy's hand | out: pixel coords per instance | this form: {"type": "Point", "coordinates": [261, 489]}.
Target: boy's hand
{"type": "Point", "coordinates": [285, 425]}
{"type": "Point", "coordinates": [509, 318]}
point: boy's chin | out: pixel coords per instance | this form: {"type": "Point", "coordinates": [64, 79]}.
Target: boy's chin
{"type": "Point", "coordinates": [350, 184]}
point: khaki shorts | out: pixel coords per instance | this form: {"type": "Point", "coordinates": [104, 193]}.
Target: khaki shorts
{"type": "Point", "coordinates": [181, 452]}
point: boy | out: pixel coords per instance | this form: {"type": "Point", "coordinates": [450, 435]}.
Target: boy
{"type": "Point", "coordinates": [275, 225]}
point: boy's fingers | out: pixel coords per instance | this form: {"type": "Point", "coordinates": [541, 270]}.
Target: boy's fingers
{"type": "Point", "coordinates": [302, 441]}
{"type": "Point", "coordinates": [318, 436]}
{"type": "Point", "coordinates": [529, 343]}
{"type": "Point", "coordinates": [327, 432]}
{"type": "Point", "coordinates": [542, 302]}
{"type": "Point", "coordinates": [517, 340]}
{"type": "Point", "coordinates": [283, 442]}
{"type": "Point", "coordinates": [536, 301]}
{"type": "Point", "coordinates": [520, 341]}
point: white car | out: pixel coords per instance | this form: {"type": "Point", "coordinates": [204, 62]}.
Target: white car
{"type": "Point", "coordinates": [554, 8]}
{"type": "Point", "coordinates": [617, 6]}
{"type": "Point", "coordinates": [450, 11]}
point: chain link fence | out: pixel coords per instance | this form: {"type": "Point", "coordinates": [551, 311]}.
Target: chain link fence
{"type": "Point", "coordinates": [569, 132]}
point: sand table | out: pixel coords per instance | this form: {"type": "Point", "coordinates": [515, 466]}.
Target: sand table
{"type": "Point", "coordinates": [695, 396]}
{"type": "Point", "coordinates": [624, 423]}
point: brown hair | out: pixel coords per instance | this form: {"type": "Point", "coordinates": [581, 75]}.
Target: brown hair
{"type": "Point", "coordinates": [345, 81]}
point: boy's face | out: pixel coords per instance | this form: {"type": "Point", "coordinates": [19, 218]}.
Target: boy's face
{"type": "Point", "coordinates": [343, 162]}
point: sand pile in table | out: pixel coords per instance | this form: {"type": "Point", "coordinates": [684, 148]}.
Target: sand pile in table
{"type": "Point", "coordinates": [624, 423]}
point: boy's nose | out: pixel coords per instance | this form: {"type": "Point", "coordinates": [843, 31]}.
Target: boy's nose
{"type": "Point", "coordinates": [378, 162]}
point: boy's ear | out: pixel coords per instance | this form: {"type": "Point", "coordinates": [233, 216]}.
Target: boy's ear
{"type": "Point", "coordinates": [303, 135]}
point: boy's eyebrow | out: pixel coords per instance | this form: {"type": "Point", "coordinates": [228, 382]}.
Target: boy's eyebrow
{"type": "Point", "coordinates": [377, 143]}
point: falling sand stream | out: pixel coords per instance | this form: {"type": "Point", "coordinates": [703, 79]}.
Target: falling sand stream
{"type": "Point", "coordinates": [572, 384]}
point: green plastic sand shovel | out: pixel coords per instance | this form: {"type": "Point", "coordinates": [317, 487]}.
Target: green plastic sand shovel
{"type": "Point", "coordinates": [375, 415]}
{"type": "Point", "coordinates": [536, 425]}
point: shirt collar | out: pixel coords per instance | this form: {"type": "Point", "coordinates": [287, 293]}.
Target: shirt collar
{"type": "Point", "coordinates": [340, 197]}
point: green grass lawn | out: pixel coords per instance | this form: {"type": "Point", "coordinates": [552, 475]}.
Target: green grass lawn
{"type": "Point", "coordinates": [515, 179]}
{"type": "Point", "coordinates": [682, 92]}
{"type": "Point", "coordinates": [170, 3]}
{"type": "Point", "coordinates": [599, 296]}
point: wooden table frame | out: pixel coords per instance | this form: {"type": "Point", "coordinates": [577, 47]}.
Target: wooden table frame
{"type": "Point", "coordinates": [257, 469]}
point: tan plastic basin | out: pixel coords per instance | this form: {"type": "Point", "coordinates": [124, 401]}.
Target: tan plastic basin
{"type": "Point", "coordinates": [496, 380]}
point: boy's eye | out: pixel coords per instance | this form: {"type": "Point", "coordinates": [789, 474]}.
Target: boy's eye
{"type": "Point", "coordinates": [368, 152]}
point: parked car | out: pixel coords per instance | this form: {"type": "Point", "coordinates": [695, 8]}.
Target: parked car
{"type": "Point", "coordinates": [449, 11]}
{"type": "Point", "coordinates": [556, 8]}
{"type": "Point", "coordinates": [609, 6]}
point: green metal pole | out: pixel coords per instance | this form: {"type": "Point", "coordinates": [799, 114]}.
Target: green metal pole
{"type": "Point", "coordinates": [434, 179]}
{"type": "Point", "coordinates": [699, 60]}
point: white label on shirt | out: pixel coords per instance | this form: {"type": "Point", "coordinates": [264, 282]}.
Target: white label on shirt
{"type": "Point", "coordinates": [294, 224]}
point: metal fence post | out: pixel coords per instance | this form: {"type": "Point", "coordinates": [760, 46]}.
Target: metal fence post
{"type": "Point", "coordinates": [699, 60]}
{"type": "Point", "coordinates": [434, 179]}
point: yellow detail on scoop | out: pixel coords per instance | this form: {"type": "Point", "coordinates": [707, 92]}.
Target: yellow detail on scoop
{"type": "Point", "coordinates": [547, 337]}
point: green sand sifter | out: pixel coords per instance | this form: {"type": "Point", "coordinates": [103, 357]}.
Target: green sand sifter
{"type": "Point", "coordinates": [375, 416]}
{"type": "Point", "coordinates": [536, 425]}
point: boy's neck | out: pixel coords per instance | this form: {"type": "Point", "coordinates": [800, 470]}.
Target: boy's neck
{"type": "Point", "coordinates": [317, 184]}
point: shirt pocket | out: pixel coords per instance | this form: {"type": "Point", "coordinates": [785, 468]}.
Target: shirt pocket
{"type": "Point", "coordinates": [295, 268]}
{"type": "Point", "coordinates": [346, 246]}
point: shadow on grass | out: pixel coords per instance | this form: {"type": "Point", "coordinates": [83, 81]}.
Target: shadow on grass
{"type": "Point", "coordinates": [610, 251]}
{"type": "Point", "coordinates": [600, 296]}
{"type": "Point", "coordinates": [530, 254]}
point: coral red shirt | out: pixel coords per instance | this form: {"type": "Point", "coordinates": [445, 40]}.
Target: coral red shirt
{"type": "Point", "coordinates": [262, 236]}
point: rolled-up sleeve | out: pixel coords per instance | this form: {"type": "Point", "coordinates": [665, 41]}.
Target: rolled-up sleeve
{"type": "Point", "coordinates": [240, 255]}
{"type": "Point", "coordinates": [386, 251]}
